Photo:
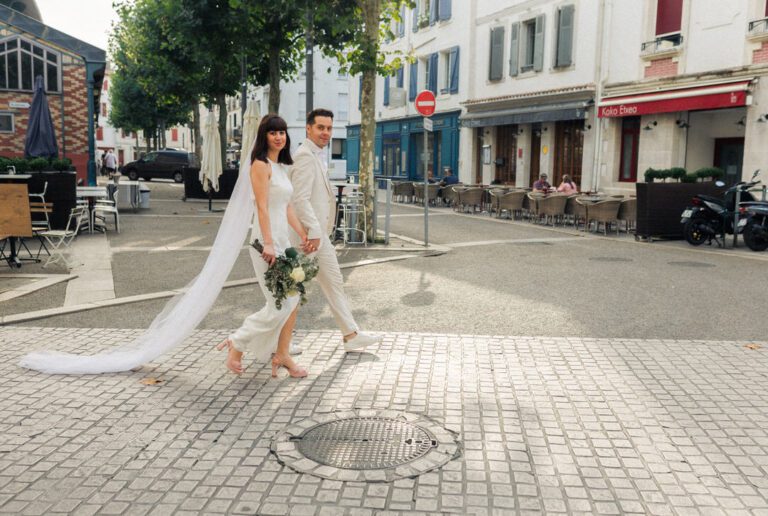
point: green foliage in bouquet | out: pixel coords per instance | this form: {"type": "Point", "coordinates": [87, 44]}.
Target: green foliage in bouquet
{"type": "Point", "coordinates": [287, 276]}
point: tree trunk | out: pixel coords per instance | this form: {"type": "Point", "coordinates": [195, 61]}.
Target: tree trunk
{"type": "Point", "coordinates": [196, 132]}
{"type": "Point", "coordinates": [274, 79]}
{"type": "Point", "coordinates": [371, 10]}
{"type": "Point", "coordinates": [221, 101]}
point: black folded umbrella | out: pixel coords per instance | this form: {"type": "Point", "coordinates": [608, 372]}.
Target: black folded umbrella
{"type": "Point", "coordinates": [41, 140]}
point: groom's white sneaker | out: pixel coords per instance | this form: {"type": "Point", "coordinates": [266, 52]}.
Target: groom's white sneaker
{"type": "Point", "coordinates": [360, 341]}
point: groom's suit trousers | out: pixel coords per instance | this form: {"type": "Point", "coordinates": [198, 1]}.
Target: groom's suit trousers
{"type": "Point", "coordinates": [331, 282]}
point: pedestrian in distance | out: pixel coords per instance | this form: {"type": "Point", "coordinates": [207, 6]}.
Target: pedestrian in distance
{"type": "Point", "coordinates": [269, 330]}
{"type": "Point", "coordinates": [110, 162]}
{"type": "Point", "coordinates": [315, 206]}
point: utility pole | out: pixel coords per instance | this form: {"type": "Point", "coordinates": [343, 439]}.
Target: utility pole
{"type": "Point", "coordinates": [310, 63]}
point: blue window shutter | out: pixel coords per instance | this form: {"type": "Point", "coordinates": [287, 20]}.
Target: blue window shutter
{"type": "Point", "coordinates": [454, 83]}
{"type": "Point", "coordinates": [400, 77]}
{"type": "Point", "coordinates": [360, 94]}
{"type": "Point", "coordinates": [386, 90]}
{"type": "Point", "coordinates": [445, 9]}
{"type": "Point", "coordinates": [432, 85]}
{"type": "Point", "coordinates": [538, 46]}
{"type": "Point", "coordinates": [415, 16]}
{"type": "Point", "coordinates": [514, 49]}
{"type": "Point", "coordinates": [413, 80]}
{"type": "Point", "coordinates": [401, 24]}
{"type": "Point", "coordinates": [565, 37]}
{"type": "Point", "coordinates": [433, 7]}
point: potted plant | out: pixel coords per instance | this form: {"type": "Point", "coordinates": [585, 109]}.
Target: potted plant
{"type": "Point", "coordinates": [709, 173]}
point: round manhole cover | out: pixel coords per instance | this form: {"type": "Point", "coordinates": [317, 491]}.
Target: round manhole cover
{"type": "Point", "coordinates": [365, 443]}
{"type": "Point", "coordinates": [691, 264]}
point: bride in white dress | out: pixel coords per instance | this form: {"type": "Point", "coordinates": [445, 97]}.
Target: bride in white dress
{"type": "Point", "coordinates": [269, 330]}
{"type": "Point", "coordinates": [264, 185]}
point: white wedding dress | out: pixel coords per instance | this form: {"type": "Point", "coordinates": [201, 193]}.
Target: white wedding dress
{"type": "Point", "coordinates": [258, 335]}
{"type": "Point", "coordinates": [182, 314]}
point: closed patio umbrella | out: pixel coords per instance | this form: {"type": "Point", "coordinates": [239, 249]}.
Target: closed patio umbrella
{"type": "Point", "coordinates": [40, 140]}
{"type": "Point", "coordinates": [251, 120]}
{"type": "Point", "coordinates": [210, 164]}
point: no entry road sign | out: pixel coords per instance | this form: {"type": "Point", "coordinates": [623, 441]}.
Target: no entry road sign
{"type": "Point", "coordinates": [425, 103]}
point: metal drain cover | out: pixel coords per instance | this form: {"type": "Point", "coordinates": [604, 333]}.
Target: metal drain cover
{"type": "Point", "coordinates": [365, 445]}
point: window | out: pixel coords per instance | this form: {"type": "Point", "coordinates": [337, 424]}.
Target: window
{"type": "Point", "coordinates": [400, 77]}
{"type": "Point", "coordinates": [386, 90]}
{"type": "Point", "coordinates": [174, 135]}
{"type": "Point", "coordinates": [343, 107]}
{"type": "Point", "coordinates": [105, 85]}
{"type": "Point", "coordinates": [669, 15]}
{"type": "Point", "coordinates": [103, 109]}
{"type": "Point", "coordinates": [450, 75]}
{"type": "Point", "coordinates": [338, 147]}
{"type": "Point", "coordinates": [413, 78]}
{"type": "Point", "coordinates": [532, 42]}
{"type": "Point", "coordinates": [630, 141]}
{"type": "Point", "coordinates": [21, 61]}
{"type": "Point", "coordinates": [99, 133]}
{"type": "Point", "coordinates": [564, 49]}
{"type": "Point", "coordinates": [438, 10]}
{"type": "Point", "coordinates": [496, 69]}
{"type": "Point", "coordinates": [302, 106]}
{"type": "Point", "coordinates": [431, 66]}
{"type": "Point", "coordinates": [234, 120]}
{"type": "Point", "coordinates": [401, 22]}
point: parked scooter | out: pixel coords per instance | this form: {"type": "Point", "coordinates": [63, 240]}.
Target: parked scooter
{"type": "Point", "coordinates": [754, 225]}
{"type": "Point", "coordinates": [710, 217]}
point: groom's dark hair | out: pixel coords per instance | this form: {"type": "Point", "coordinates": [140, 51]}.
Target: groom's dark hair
{"type": "Point", "coordinates": [316, 113]}
{"type": "Point", "coordinates": [269, 123]}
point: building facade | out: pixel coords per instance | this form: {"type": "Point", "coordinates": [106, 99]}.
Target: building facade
{"type": "Point", "coordinates": [72, 71]}
{"type": "Point", "coordinates": [569, 87]}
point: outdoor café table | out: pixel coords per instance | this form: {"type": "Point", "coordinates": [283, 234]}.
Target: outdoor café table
{"type": "Point", "coordinates": [91, 193]}
{"type": "Point", "coordinates": [341, 186]}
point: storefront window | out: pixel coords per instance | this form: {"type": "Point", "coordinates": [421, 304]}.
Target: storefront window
{"type": "Point", "coordinates": [21, 61]}
{"type": "Point", "coordinates": [630, 141]}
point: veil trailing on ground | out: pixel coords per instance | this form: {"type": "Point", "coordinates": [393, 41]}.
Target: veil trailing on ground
{"type": "Point", "coordinates": [183, 312]}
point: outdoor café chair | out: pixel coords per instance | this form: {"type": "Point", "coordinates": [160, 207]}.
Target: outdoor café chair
{"type": "Point", "coordinates": [511, 202]}
{"type": "Point", "coordinates": [59, 240]}
{"type": "Point", "coordinates": [104, 207]}
{"type": "Point", "coordinates": [604, 212]}
{"type": "Point", "coordinates": [628, 213]}
{"type": "Point", "coordinates": [552, 207]}
{"type": "Point", "coordinates": [470, 197]}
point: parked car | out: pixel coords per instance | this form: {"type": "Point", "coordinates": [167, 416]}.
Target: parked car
{"type": "Point", "coordinates": [166, 164]}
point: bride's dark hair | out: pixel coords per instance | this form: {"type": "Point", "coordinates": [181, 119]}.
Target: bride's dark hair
{"type": "Point", "coordinates": [269, 123]}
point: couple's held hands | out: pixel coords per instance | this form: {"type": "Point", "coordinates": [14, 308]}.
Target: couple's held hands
{"type": "Point", "coordinates": [309, 246]}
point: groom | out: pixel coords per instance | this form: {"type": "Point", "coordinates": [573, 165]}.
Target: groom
{"type": "Point", "coordinates": [315, 206]}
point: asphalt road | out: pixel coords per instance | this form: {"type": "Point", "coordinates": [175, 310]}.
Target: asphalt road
{"type": "Point", "coordinates": [496, 278]}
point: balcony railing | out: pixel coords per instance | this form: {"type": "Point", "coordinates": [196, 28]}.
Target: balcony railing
{"type": "Point", "coordinates": [758, 28]}
{"type": "Point", "coordinates": [662, 44]}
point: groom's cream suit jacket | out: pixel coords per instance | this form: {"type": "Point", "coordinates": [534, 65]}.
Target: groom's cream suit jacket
{"type": "Point", "coordinates": [313, 199]}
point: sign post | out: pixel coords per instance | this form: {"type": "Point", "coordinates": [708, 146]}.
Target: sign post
{"type": "Point", "coordinates": [425, 105]}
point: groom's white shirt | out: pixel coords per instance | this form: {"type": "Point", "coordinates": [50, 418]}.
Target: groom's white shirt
{"type": "Point", "coordinates": [313, 199]}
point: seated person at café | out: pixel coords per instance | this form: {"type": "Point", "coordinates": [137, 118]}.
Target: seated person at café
{"type": "Point", "coordinates": [542, 185]}
{"type": "Point", "coordinates": [567, 187]}
{"type": "Point", "coordinates": [449, 178]}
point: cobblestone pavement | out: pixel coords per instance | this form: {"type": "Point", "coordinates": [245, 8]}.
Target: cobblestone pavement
{"type": "Point", "coordinates": [548, 425]}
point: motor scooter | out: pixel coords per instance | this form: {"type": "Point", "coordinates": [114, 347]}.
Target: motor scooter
{"type": "Point", "coordinates": [711, 217]}
{"type": "Point", "coordinates": [754, 225]}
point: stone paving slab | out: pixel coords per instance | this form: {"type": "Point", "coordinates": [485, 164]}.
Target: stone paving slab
{"type": "Point", "coordinates": [548, 425]}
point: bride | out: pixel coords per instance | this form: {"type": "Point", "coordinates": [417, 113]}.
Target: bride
{"type": "Point", "coordinates": [262, 179]}
{"type": "Point", "coordinates": [270, 329]}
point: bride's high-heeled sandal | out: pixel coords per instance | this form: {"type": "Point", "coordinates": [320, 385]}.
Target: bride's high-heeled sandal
{"type": "Point", "coordinates": [235, 366]}
{"type": "Point", "coordinates": [295, 372]}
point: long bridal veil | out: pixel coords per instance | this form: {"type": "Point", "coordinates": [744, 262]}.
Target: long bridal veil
{"type": "Point", "coordinates": [183, 312]}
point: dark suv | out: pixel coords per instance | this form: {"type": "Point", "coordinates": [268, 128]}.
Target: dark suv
{"type": "Point", "coordinates": [167, 164]}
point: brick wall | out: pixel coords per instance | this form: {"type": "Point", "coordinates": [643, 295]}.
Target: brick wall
{"type": "Point", "coordinates": [71, 131]}
{"type": "Point", "coordinates": [761, 54]}
{"type": "Point", "coordinates": [661, 68]}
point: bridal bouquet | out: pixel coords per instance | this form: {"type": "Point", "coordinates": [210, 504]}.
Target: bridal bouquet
{"type": "Point", "coordinates": [287, 276]}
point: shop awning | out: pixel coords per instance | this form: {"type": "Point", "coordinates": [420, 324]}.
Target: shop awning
{"type": "Point", "coordinates": [527, 114]}
{"type": "Point", "coordinates": [724, 95]}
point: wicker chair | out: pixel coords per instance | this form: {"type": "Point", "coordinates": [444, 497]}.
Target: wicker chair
{"type": "Point", "coordinates": [574, 211]}
{"type": "Point", "coordinates": [552, 207]}
{"type": "Point", "coordinates": [511, 202]}
{"type": "Point", "coordinates": [604, 212]}
{"type": "Point", "coordinates": [531, 207]}
{"type": "Point", "coordinates": [628, 214]}
{"type": "Point", "coordinates": [472, 197]}
{"type": "Point", "coordinates": [402, 190]}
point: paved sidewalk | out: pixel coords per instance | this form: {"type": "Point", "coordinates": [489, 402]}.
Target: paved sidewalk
{"type": "Point", "coordinates": [548, 425]}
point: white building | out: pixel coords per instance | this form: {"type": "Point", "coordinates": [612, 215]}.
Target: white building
{"type": "Point", "coordinates": [597, 89]}
{"type": "Point", "coordinates": [331, 91]}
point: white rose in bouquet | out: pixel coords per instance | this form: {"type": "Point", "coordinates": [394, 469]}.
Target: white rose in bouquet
{"type": "Point", "coordinates": [297, 274]}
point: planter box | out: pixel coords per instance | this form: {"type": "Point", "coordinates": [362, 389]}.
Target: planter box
{"type": "Point", "coordinates": [193, 189]}
{"type": "Point", "coordinates": [659, 206]}
{"type": "Point", "coordinates": [62, 192]}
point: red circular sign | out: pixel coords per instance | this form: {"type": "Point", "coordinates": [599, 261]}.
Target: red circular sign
{"type": "Point", "coordinates": [425, 103]}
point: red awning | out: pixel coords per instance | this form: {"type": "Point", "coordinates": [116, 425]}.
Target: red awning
{"type": "Point", "coordinates": [732, 94]}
